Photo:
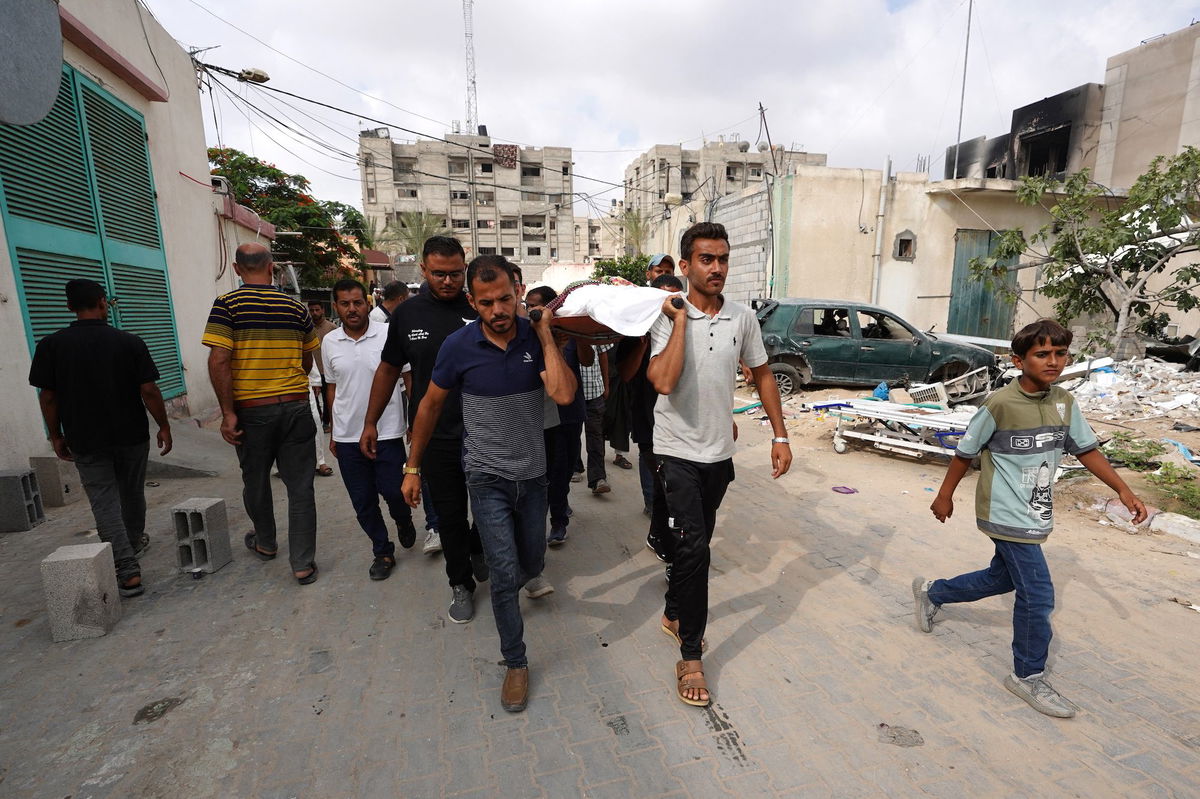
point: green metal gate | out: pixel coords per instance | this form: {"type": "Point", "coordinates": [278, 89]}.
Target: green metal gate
{"type": "Point", "coordinates": [77, 200]}
{"type": "Point", "coordinates": [976, 309]}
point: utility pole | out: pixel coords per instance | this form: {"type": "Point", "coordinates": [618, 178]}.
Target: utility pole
{"type": "Point", "coordinates": [469, 29]}
{"type": "Point", "coordinates": [762, 114]}
{"type": "Point", "coordinates": [962, 97]}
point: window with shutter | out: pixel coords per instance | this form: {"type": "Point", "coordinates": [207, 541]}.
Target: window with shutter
{"type": "Point", "coordinates": [77, 200]}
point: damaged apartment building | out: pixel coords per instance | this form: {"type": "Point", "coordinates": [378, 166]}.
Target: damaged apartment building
{"type": "Point", "coordinates": [905, 241]}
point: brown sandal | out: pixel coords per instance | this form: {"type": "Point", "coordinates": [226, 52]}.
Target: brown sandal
{"type": "Point", "coordinates": [689, 674]}
{"type": "Point", "coordinates": [671, 628]}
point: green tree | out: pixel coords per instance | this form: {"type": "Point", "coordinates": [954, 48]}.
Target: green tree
{"type": "Point", "coordinates": [331, 233]}
{"type": "Point", "coordinates": [630, 267]}
{"type": "Point", "coordinates": [1109, 257]}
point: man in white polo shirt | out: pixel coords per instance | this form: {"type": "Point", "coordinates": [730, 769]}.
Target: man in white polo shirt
{"type": "Point", "coordinates": [694, 354]}
{"type": "Point", "coordinates": [351, 356]}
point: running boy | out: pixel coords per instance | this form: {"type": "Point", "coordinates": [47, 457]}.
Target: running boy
{"type": "Point", "coordinates": [1020, 435]}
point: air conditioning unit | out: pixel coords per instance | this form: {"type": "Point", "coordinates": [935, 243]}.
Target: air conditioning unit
{"type": "Point", "coordinates": [221, 185]}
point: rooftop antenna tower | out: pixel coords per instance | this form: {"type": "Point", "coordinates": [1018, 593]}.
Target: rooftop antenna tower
{"type": "Point", "coordinates": [469, 29]}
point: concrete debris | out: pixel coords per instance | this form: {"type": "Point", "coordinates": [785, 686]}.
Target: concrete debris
{"type": "Point", "coordinates": [1142, 388]}
{"type": "Point", "coordinates": [1178, 525]}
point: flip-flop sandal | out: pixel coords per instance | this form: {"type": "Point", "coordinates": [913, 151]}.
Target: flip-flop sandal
{"type": "Point", "coordinates": [690, 674]}
{"type": "Point", "coordinates": [252, 545]}
{"type": "Point", "coordinates": [324, 471]}
{"type": "Point", "coordinates": [674, 633]}
{"type": "Point", "coordinates": [309, 578]}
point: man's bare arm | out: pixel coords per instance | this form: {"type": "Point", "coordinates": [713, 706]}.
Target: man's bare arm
{"type": "Point", "coordinates": [220, 374]}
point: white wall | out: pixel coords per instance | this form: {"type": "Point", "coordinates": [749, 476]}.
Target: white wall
{"type": "Point", "coordinates": [187, 214]}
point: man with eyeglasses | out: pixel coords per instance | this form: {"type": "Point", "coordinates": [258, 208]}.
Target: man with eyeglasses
{"type": "Point", "coordinates": [415, 335]}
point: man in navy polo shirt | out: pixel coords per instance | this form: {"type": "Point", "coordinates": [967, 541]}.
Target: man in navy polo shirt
{"type": "Point", "coordinates": [501, 365]}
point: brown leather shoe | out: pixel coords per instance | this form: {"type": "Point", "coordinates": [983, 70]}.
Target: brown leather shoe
{"type": "Point", "coordinates": [515, 692]}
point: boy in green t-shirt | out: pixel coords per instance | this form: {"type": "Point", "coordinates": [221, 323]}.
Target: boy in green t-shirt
{"type": "Point", "coordinates": [1020, 435]}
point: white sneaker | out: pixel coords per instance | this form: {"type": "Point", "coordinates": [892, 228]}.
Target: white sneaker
{"type": "Point", "coordinates": [433, 543]}
{"type": "Point", "coordinates": [538, 587]}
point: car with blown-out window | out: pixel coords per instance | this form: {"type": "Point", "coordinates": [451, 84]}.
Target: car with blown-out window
{"type": "Point", "coordinates": [837, 342]}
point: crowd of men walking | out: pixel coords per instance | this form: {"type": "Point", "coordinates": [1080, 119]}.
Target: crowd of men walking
{"type": "Point", "coordinates": [493, 402]}
{"type": "Point", "coordinates": [453, 397]}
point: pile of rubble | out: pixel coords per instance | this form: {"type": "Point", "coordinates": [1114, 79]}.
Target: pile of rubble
{"type": "Point", "coordinates": [1143, 388]}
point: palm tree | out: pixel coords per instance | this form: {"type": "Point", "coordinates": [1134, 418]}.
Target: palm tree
{"type": "Point", "coordinates": [411, 230]}
{"type": "Point", "coordinates": [637, 228]}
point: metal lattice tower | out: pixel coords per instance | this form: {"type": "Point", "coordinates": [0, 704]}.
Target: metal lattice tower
{"type": "Point", "coordinates": [472, 108]}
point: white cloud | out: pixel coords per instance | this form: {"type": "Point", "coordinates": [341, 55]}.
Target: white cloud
{"type": "Point", "coordinates": [850, 79]}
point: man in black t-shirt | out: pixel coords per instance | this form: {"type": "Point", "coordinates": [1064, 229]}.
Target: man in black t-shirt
{"type": "Point", "coordinates": [96, 384]}
{"type": "Point", "coordinates": [415, 335]}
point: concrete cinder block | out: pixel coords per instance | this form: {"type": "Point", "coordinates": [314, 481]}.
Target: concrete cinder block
{"type": "Point", "coordinates": [20, 501]}
{"type": "Point", "coordinates": [80, 583]}
{"type": "Point", "coordinates": [201, 534]}
{"type": "Point", "coordinates": [58, 481]}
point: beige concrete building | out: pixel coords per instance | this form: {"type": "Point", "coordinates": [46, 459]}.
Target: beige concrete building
{"type": "Point", "coordinates": [1148, 105]}
{"type": "Point", "coordinates": [718, 169]}
{"type": "Point", "coordinates": [601, 236]}
{"type": "Point", "coordinates": [1151, 106]}
{"type": "Point", "coordinates": [498, 199]}
{"type": "Point", "coordinates": [113, 185]}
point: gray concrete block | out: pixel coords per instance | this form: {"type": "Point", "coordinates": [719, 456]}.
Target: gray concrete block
{"type": "Point", "coordinates": [20, 501]}
{"type": "Point", "coordinates": [80, 583]}
{"type": "Point", "coordinates": [58, 481]}
{"type": "Point", "coordinates": [201, 534]}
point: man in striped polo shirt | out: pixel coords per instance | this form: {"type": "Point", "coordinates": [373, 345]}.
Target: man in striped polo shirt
{"type": "Point", "coordinates": [501, 363]}
{"type": "Point", "coordinates": [261, 349]}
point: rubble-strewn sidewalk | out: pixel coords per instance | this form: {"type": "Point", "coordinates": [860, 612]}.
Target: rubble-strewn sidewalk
{"type": "Point", "coordinates": [245, 684]}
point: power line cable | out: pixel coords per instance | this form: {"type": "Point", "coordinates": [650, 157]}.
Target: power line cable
{"type": "Point", "coordinates": [231, 73]}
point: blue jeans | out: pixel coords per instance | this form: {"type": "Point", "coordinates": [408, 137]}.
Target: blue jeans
{"type": "Point", "coordinates": [1015, 567]}
{"type": "Point", "coordinates": [511, 515]}
{"type": "Point", "coordinates": [366, 480]}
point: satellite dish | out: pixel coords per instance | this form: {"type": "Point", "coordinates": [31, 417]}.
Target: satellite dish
{"type": "Point", "coordinates": [30, 60]}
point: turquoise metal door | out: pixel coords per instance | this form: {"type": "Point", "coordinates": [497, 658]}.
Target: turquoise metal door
{"type": "Point", "coordinates": [976, 309]}
{"type": "Point", "coordinates": [77, 200]}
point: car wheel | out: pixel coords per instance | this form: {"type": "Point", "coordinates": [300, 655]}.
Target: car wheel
{"type": "Point", "coordinates": [787, 377]}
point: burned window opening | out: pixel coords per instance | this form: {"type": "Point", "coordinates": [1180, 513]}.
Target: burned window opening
{"type": "Point", "coordinates": [1046, 153]}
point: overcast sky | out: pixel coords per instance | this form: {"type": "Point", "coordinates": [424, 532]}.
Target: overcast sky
{"type": "Point", "coordinates": [856, 79]}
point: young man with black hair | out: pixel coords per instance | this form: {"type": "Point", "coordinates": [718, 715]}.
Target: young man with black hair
{"type": "Point", "coordinates": [1020, 435]}
{"type": "Point", "coordinates": [502, 366]}
{"type": "Point", "coordinates": [352, 355]}
{"type": "Point", "coordinates": [96, 384]}
{"type": "Point", "coordinates": [694, 354]}
{"type": "Point", "coordinates": [415, 335]}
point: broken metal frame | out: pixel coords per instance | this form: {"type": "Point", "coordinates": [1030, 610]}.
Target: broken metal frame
{"type": "Point", "coordinates": [904, 429]}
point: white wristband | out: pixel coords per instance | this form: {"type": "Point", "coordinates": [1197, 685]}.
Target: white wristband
{"type": "Point", "coordinates": [780, 441]}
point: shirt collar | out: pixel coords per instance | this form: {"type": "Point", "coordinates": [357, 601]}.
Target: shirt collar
{"type": "Point", "coordinates": [373, 329]}
{"type": "Point", "coordinates": [695, 313]}
{"type": "Point", "coordinates": [524, 328]}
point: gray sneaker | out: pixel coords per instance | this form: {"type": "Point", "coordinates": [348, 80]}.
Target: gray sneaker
{"type": "Point", "coordinates": [433, 543]}
{"type": "Point", "coordinates": [538, 587]}
{"type": "Point", "coordinates": [1040, 695]}
{"type": "Point", "coordinates": [922, 607]}
{"type": "Point", "coordinates": [462, 609]}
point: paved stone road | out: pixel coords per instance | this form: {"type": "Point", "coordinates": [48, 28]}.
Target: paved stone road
{"type": "Point", "coordinates": [354, 688]}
